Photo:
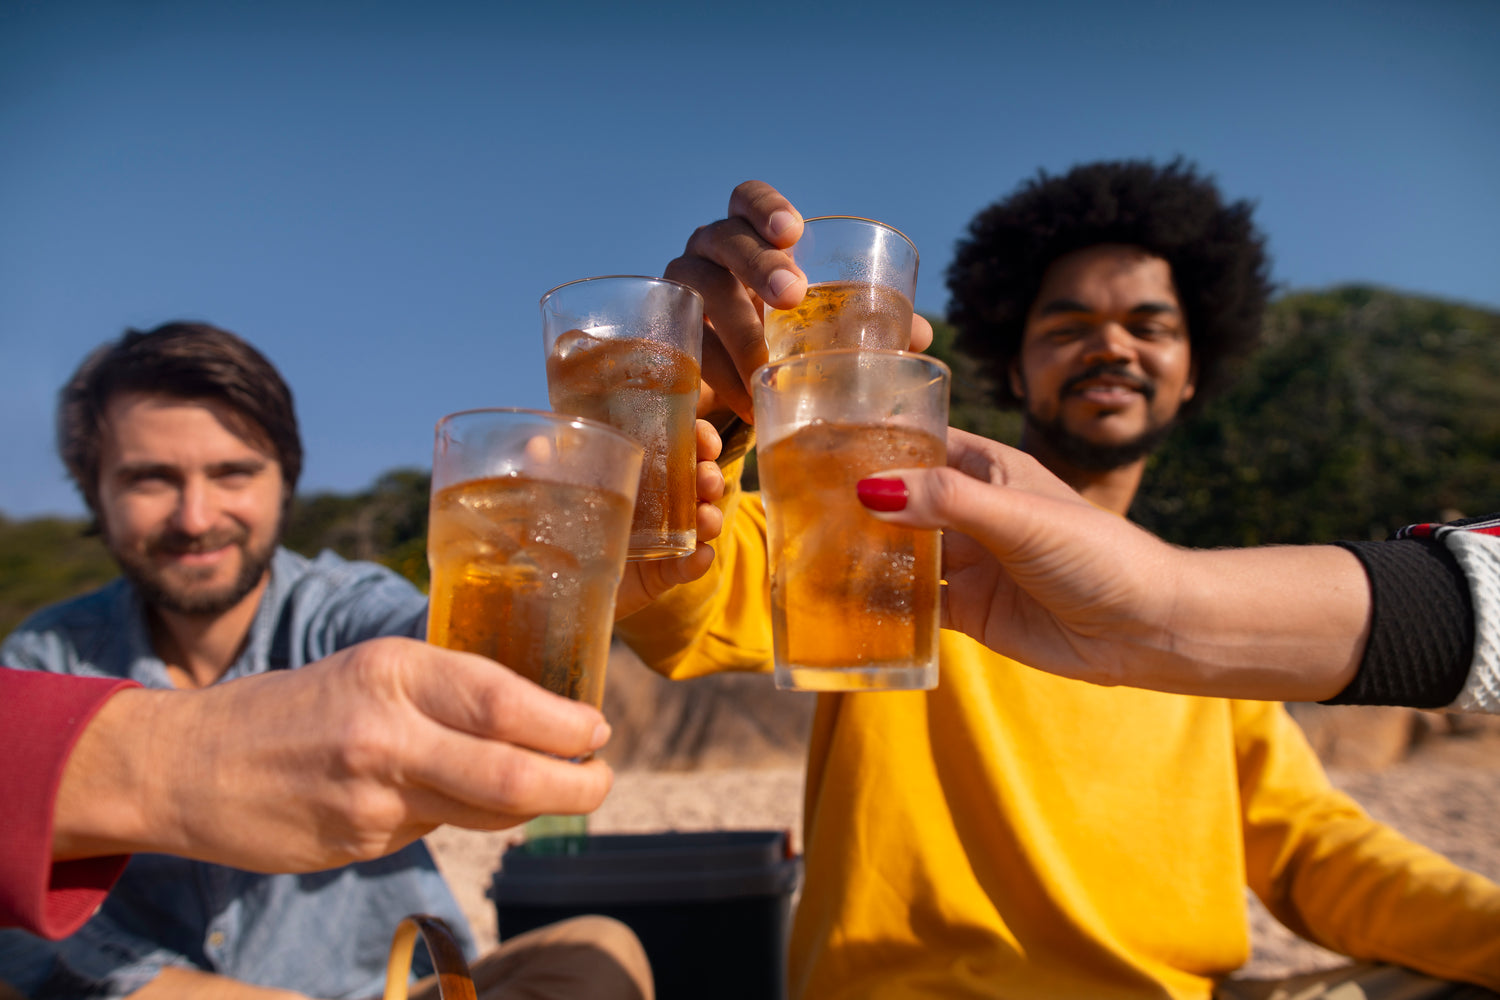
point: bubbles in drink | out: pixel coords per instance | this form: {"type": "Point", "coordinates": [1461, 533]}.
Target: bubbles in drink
{"type": "Point", "coordinates": [841, 314]}
{"type": "Point", "coordinates": [524, 572]}
{"type": "Point", "coordinates": [648, 390]}
{"type": "Point", "coordinates": [847, 590]}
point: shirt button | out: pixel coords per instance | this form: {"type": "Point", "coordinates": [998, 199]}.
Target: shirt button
{"type": "Point", "coordinates": [216, 939]}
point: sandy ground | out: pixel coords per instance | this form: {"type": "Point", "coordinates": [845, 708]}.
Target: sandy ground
{"type": "Point", "coordinates": [1446, 796]}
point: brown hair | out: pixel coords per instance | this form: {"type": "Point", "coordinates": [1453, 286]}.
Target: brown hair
{"type": "Point", "coordinates": [184, 361]}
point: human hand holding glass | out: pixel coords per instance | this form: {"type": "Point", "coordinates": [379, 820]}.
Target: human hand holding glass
{"type": "Point", "coordinates": [854, 602]}
{"type": "Point", "coordinates": [862, 281]}
{"type": "Point", "coordinates": [1038, 574]}
{"type": "Point", "coordinates": [344, 760]}
{"type": "Point", "coordinates": [740, 265]}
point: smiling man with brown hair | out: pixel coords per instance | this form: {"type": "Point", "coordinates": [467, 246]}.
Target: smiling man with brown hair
{"type": "Point", "coordinates": [184, 443]}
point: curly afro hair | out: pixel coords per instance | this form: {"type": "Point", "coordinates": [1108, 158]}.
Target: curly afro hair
{"type": "Point", "coordinates": [1217, 256]}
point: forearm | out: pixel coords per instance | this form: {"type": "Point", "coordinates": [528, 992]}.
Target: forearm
{"type": "Point", "coordinates": [665, 633]}
{"type": "Point", "coordinates": [1278, 623]}
{"type": "Point", "coordinates": [1038, 573]}
{"type": "Point", "coordinates": [343, 760]}
{"type": "Point", "coordinates": [1361, 889]}
{"type": "Point", "coordinates": [114, 797]}
{"type": "Point", "coordinates": [1334, 875]}
{"type": "Point", "coordinates": [1380, 897]}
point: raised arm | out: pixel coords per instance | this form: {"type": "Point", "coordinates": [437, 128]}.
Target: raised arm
{"type": "Point", "coordinates": [739, 264]}
{"type": "Point", "coordinates": [1037, 573]}
{"type": "Point", "coordinates": [347, 759]}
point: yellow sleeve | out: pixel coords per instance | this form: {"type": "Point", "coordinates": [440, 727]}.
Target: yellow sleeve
{"type": "Point", "coordinates": [723, 620]}
{"type": "Point", "coordinates": [1331, 873]}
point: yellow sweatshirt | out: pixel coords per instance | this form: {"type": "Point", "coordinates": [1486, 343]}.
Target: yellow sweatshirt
{"type": "Point", "coordinates": [1014, 834]}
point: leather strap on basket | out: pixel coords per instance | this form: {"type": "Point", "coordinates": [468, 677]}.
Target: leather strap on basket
{"type": "Point", "coordinates": [454, 981]}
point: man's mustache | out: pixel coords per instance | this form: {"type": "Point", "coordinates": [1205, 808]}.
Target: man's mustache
{"type": "Point", "coordinates": [180, 543]}
{"type": "Point", "coordinates": [1144, 386]}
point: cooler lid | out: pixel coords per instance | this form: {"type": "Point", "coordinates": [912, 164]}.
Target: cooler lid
{"type": "Point", "coordinates": [647, 868]}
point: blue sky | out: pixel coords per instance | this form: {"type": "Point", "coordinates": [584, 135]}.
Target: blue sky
{"type": "Point", "coordinates": [377, 194]}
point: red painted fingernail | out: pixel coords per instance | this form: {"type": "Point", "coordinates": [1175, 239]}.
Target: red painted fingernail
{"type": "Point", "coordinates": [882, 494]}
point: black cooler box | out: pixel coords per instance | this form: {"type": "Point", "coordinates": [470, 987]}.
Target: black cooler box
{"type": "Point", "coordinates": [712, 909]}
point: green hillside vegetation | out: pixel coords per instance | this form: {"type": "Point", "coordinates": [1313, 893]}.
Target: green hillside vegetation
{"type": "Point", "coordinates": [386, 524]}
{"type": "Point", "coordinates": [43, 560]}
{"type": "Point", "coordinates": [1365, 410]}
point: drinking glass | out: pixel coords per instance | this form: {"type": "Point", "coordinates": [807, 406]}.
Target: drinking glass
{"type": "Point", "coordinates": [627, 351]}
{"type": "Point", "coordinates": [530, 519]}
{"type": "Point", "coordinates": [862, 281]}
{"type": "Point", "coordinates": [854, 600]}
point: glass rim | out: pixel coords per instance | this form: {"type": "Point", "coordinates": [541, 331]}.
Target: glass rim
{"type": "Point", "coordinates": [542, 302]}
{"type": "Point", "coordinates": [870, 222]}
{"type": "Point", "coordinates": [549, 416]}
{"type": "Point", "coordinates": [759, 376]}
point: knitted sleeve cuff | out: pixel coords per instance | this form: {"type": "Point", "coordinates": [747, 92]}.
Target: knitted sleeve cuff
{"type": "Point", "coordinates": [1421, 626]}
{"type": "Point", "coordinates": [1478, 554]}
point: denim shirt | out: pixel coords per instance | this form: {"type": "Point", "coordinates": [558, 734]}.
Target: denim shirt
{"type": "Point", "coordinates": [325, 934]}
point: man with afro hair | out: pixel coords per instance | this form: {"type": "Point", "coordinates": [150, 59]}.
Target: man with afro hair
{"type": "Point", "coordinates": [1217, 258]}
{"type": "Point", "coordinates": [1015, 834]}
{"type": "Point", "coordinates": [1210, 257]}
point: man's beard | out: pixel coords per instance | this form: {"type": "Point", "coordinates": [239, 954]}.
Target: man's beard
{"type": "Point", "coordinates": [1090, 456]}
{"type": "Point", "coordinates": [191, 596]}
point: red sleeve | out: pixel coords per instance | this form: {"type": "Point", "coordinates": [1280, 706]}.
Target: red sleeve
{"type": "Point", "coordinates": [41, 717]}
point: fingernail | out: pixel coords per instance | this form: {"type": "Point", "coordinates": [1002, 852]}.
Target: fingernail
{"type": "Point", "coordinates": [780, 222]}
{"type": "Point", "coordinates": [780, 281]}
{"type": "Point", "coordinates": [601, 736]}
{"type": "Point", "coordinates": [884, 495]}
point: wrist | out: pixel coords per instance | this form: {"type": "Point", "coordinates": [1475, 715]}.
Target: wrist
{"type": "Point", "coordinates": [1273, 623]}
{"type": "Point", "coordinates": [108, 801]}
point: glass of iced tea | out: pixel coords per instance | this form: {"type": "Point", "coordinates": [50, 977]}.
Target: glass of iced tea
{"type": "Point", "coordinates": [854, 600]}
{"type": "Point", "coordinates": [861, 283]}
{"type": "Point", "coordinates": [627, 351]}
{"type": "Point", "coordinates": [530, 519]}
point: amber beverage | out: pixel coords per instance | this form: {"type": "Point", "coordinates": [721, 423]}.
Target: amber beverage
{"type": "Point", "coordinates": [524, 572]}
{"type": "Point", "coordinates": [853, 603]}
{"type": "Point", "coordinates": [840, 314]}
{"type": "Point", "coordinates": [529, 522]}
{"type": "Point", "coordinates": [626, 350]}
{"type": "Point", "coordinates": [854, 600]}
{"type": "Point", "coordinates": [648, 390]}
{"type": "Point", "coordinates": [861, 283]}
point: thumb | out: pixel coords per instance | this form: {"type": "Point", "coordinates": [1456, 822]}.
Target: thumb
{"type": "Point", "coordinates": [474, 695]}
{"type": "Point", "coordinates": [1004, 519]}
